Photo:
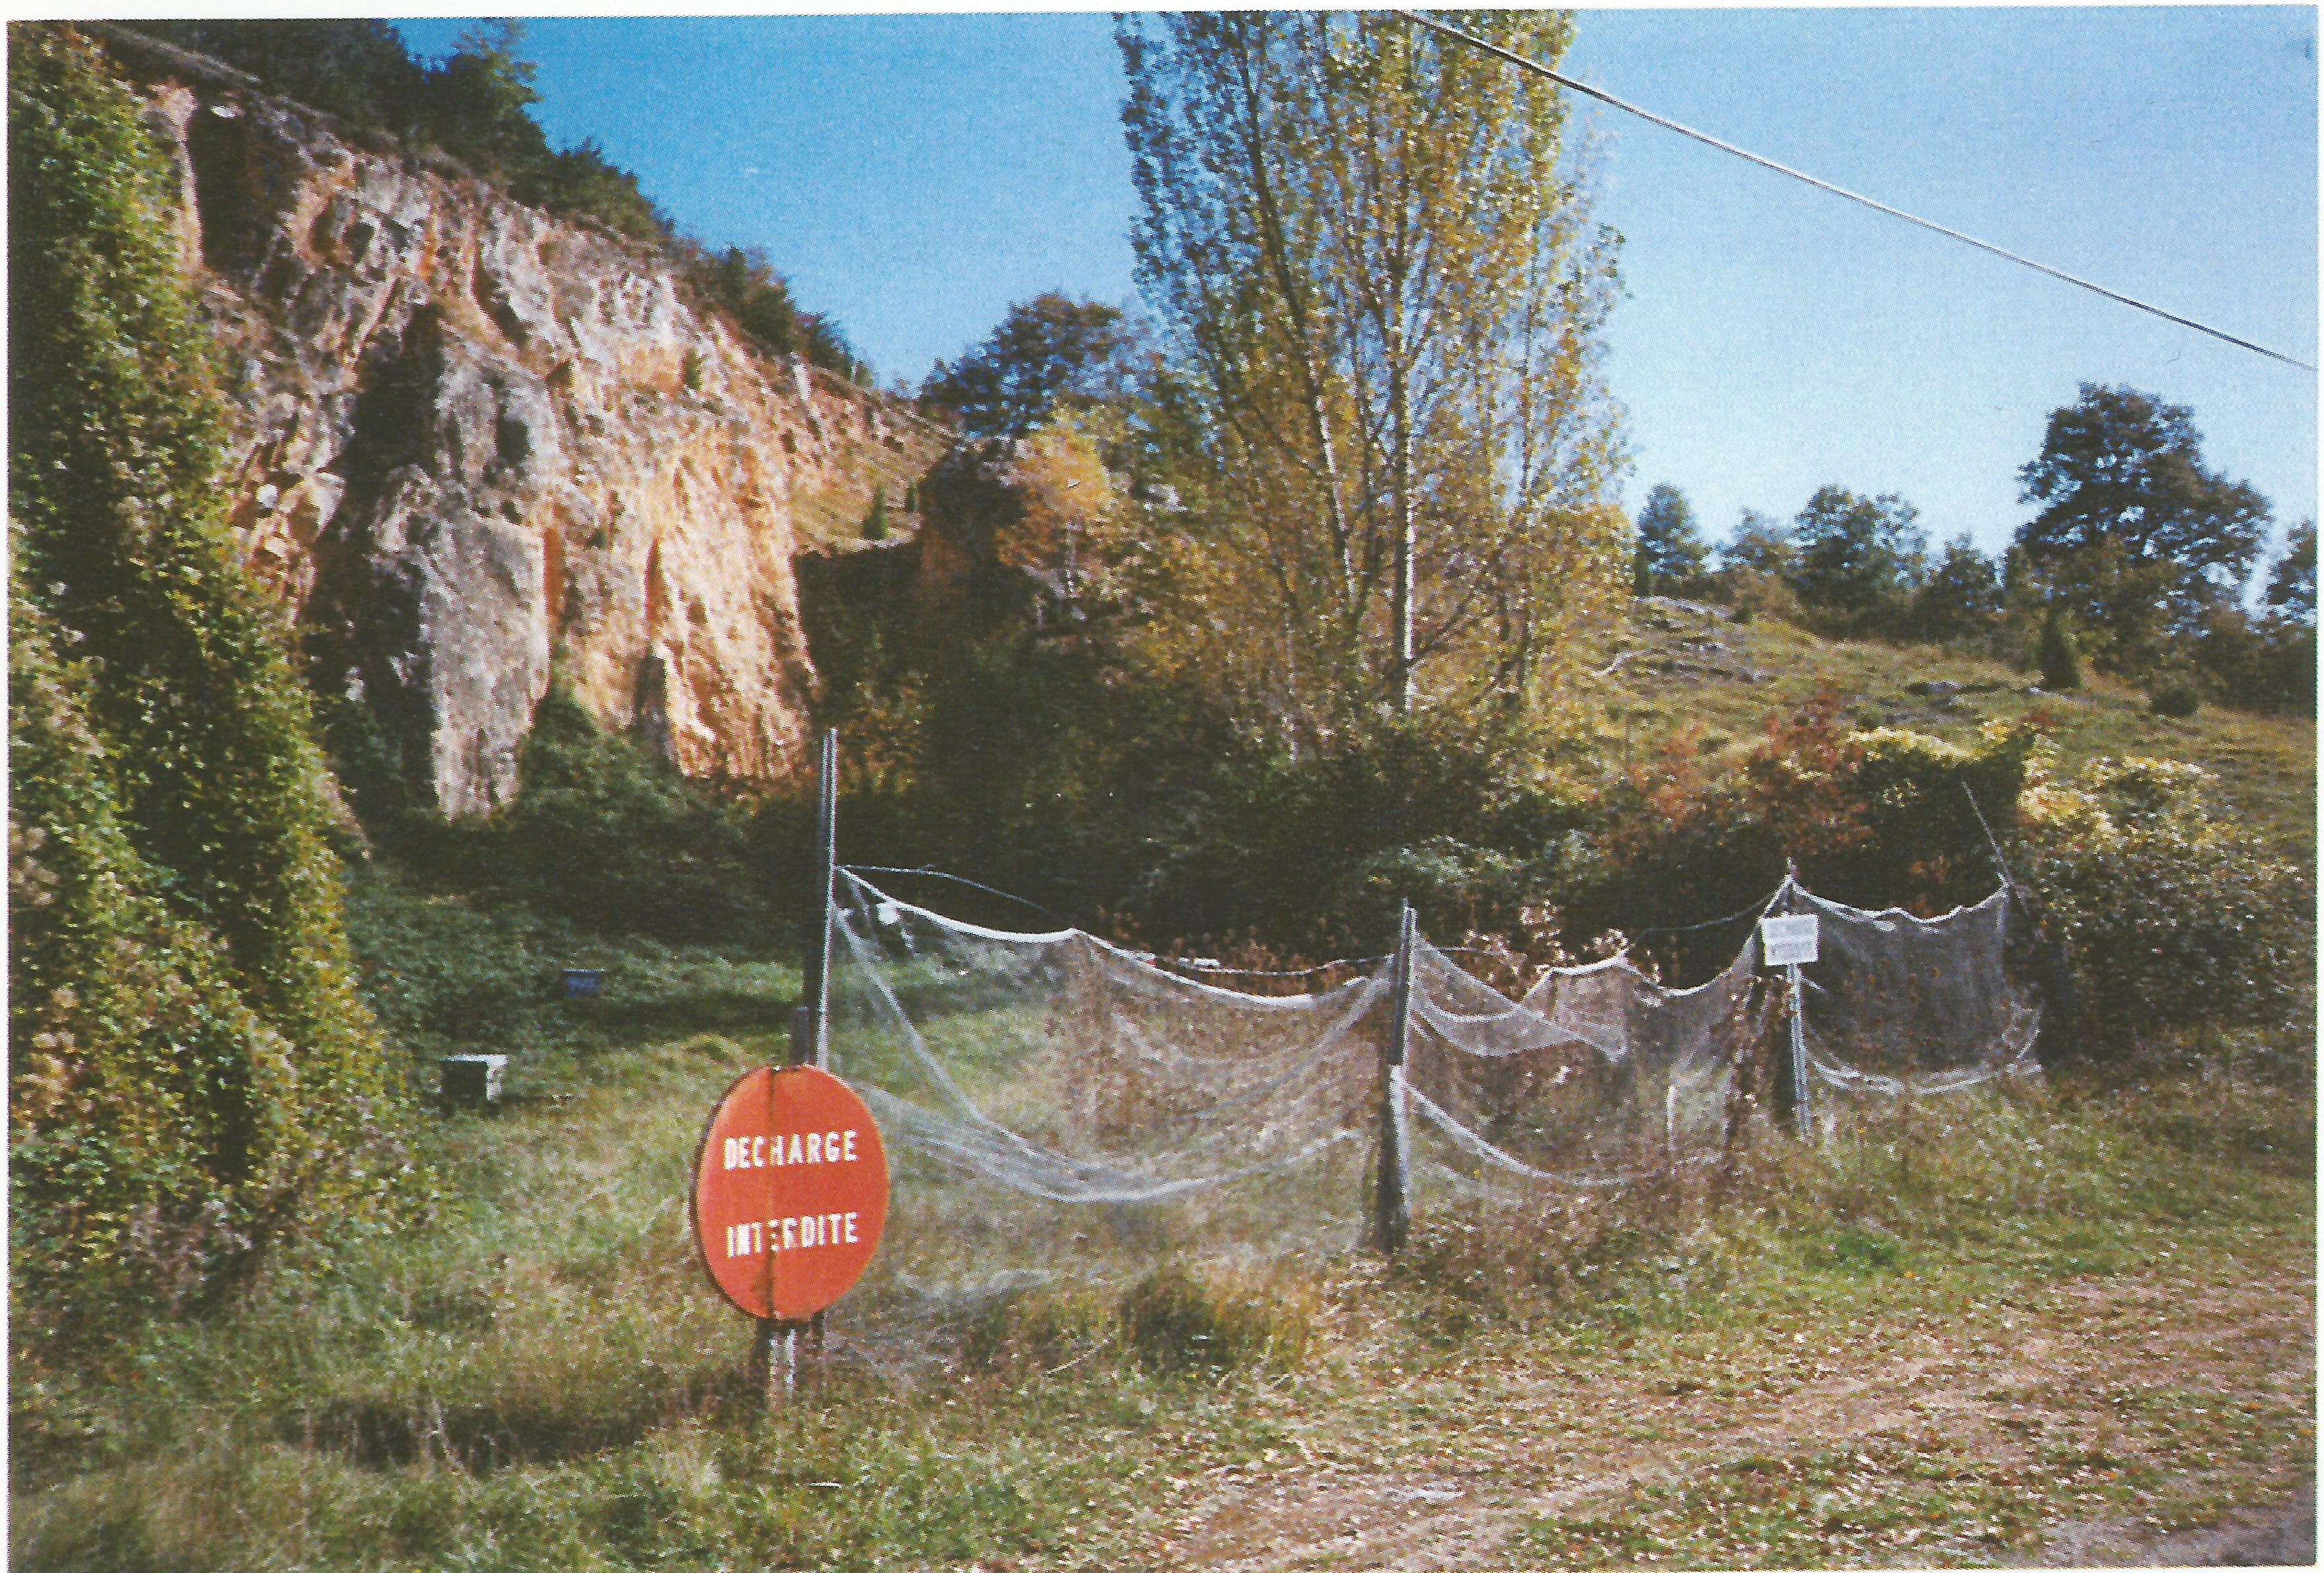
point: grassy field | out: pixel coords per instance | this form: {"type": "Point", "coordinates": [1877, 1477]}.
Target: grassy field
{"type": "Point", "coordinates": [2081, 1317]}
{"type": "Point", "coordinates": [2075, 1324]}
{"type": "Point", "coordinates": [1686, 671]}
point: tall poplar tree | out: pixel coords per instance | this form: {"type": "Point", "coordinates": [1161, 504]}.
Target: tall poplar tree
{"type": "Point", "coordinates": [1381, 295]}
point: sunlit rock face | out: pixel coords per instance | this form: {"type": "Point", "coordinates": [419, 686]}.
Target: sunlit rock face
{"type": "Point", "coordinates": [474, 444]}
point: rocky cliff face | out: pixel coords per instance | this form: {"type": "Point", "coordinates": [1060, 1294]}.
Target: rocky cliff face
{"type": "Point", "coordinates": [476, 445]}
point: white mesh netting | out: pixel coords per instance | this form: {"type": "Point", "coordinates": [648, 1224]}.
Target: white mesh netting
{"type": "Point", "coordinates": [1055, 1105]}
{"type": "Point", "coordinates": [1900, 1004]}
{"type": "Point", "coordinates": [1057, 1108]}
{"type": "Point", "coordinates": [1597, 1077]}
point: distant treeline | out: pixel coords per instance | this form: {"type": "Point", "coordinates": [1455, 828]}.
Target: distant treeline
{"type": "Point", "coordinates": [2143, 560]}
{"type": "Point", "coordinates": [474, 106]}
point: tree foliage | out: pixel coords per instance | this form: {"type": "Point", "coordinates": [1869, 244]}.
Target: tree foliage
{"type": "Point", "coordinates": [1379, 298]}
{"type": "Point", "coordinates": [1961, 596]}
{"type": "Point", "coordinates": [2120, 470]}
{"type": "Point", "coordinates": [1760, 544]}
{"type": "Point", "coordinates": [1672, 557]}
{"type": "Point", "coordinates": [1047, 352]}
{"type": "Point", "coordinates": [171, 798]}
{"type": "Point", "coordinates": [1858, 558]}
{"type": "Point", "coordinates": [356, 68]}
{"type": "Point", "coordinates": [2291, 583]}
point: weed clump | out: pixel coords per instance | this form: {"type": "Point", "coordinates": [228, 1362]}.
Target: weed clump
{"type": "Point", "coordinates": [2176, 699]}
{"type": "Point", "coordinates": [1040, 1330]}
{"type": "Point", "coordinates": [1180, 1319]}
{"type": "Point", "coordinates": [1513, 1264]}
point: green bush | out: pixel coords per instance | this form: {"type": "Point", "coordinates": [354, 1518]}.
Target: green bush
{"type": "Point", "coordinates": [605, 835]}
{"type": "Point", "coordinates": [2172, 920]}
{"type": "Point", "coordinates": [2177, 698]}
{"type": "Point", "coordinates": [170, 795]}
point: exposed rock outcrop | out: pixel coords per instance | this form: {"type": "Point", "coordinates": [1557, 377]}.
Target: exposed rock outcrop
{"type": "Point", "coordinates": [475, 443]}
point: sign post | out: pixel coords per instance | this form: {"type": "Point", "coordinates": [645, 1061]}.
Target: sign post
{"type": "Point", "coordinates": [1788, 943]}
{"type": "Point", "coordinates": [817, 1050]}
{"type": "Point", "coordinates": [790, 1197]}
{"type": "Point", "coordinates": [774, 1348]}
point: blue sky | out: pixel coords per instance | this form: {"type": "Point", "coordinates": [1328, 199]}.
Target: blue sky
{"type": "Point", "coordinates": [913, 175]}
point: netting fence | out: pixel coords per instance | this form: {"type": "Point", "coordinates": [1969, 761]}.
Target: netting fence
{"type": "Point", "coordinates": [1060, 1109]}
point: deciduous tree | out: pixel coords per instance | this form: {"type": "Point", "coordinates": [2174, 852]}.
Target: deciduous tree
{"type": "Point", "coordinates": [1858, 557]}
{"type": "Point", "coordinates": [1381, 295]}
{"type": "Point", "coordinates": [1049, 352]}
{"type": "Point", "coordinates": [2124, 467]}
{"type": "Point", "coordinates": [2291, 586]}
{"type": "Point", "coordinates": [1961, 594]}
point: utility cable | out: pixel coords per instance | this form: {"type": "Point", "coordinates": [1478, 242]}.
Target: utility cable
{"type": "Point", "coordinates": [1708, 140]}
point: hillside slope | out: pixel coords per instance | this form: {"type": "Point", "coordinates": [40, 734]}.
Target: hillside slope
{"type": "Point", "coordinates": [1688, 671]}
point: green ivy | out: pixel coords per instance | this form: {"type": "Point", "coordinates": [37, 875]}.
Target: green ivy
{"type": "Point", "coordinates": [167, 786]}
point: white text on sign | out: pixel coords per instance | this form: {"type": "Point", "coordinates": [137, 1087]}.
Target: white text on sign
{"type": "Point", "coordinates": [776, 1153]}
{"type": "Point", "coordinates": [800, 1231]}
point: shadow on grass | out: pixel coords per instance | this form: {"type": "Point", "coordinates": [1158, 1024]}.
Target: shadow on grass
{"type": "Point", "coordinates": [382, 1433]}
{"type": "Point", "coordinates": [720, 1012]}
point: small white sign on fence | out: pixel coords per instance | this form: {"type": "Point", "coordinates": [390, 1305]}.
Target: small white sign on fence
{"type": "Point", "coordinates": [1787, 941]}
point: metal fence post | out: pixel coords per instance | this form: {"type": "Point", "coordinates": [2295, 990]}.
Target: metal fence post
{"type": "Point", "coordinates": [1391, 1202]}
{"type": "Point", "coordinates": [817, 1051]}
{"type": "Point", "coordinates": [775, 1350]}
{"type": "Point", "coordinates": [1803, 1099]}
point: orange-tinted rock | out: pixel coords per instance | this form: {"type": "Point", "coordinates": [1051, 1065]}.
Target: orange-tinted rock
{"type": "Point", "coordinates": [473, 443]}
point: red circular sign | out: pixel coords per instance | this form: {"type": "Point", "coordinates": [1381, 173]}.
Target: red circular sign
{"type": "Point", "coordinates": [790, 1191]}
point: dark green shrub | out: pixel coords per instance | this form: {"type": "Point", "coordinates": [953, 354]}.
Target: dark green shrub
{"type": "Point", "coordinates": [604, 834]}
{"type": "Point", "coordinates": [1454, 887]}
{"type": "Point", "coordinates": [875, 522]}
{"type": "Point", "coordinates": [2177, 698]}
{"type": "Point", "coordinates": [2059, 657]}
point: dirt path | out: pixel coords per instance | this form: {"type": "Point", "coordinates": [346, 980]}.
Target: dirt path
{"type": "Point", "coordinates": [2202, 1387]}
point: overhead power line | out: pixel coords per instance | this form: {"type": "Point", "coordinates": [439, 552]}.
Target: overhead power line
{"type": "Point", "coordinates": [1667, 123]}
